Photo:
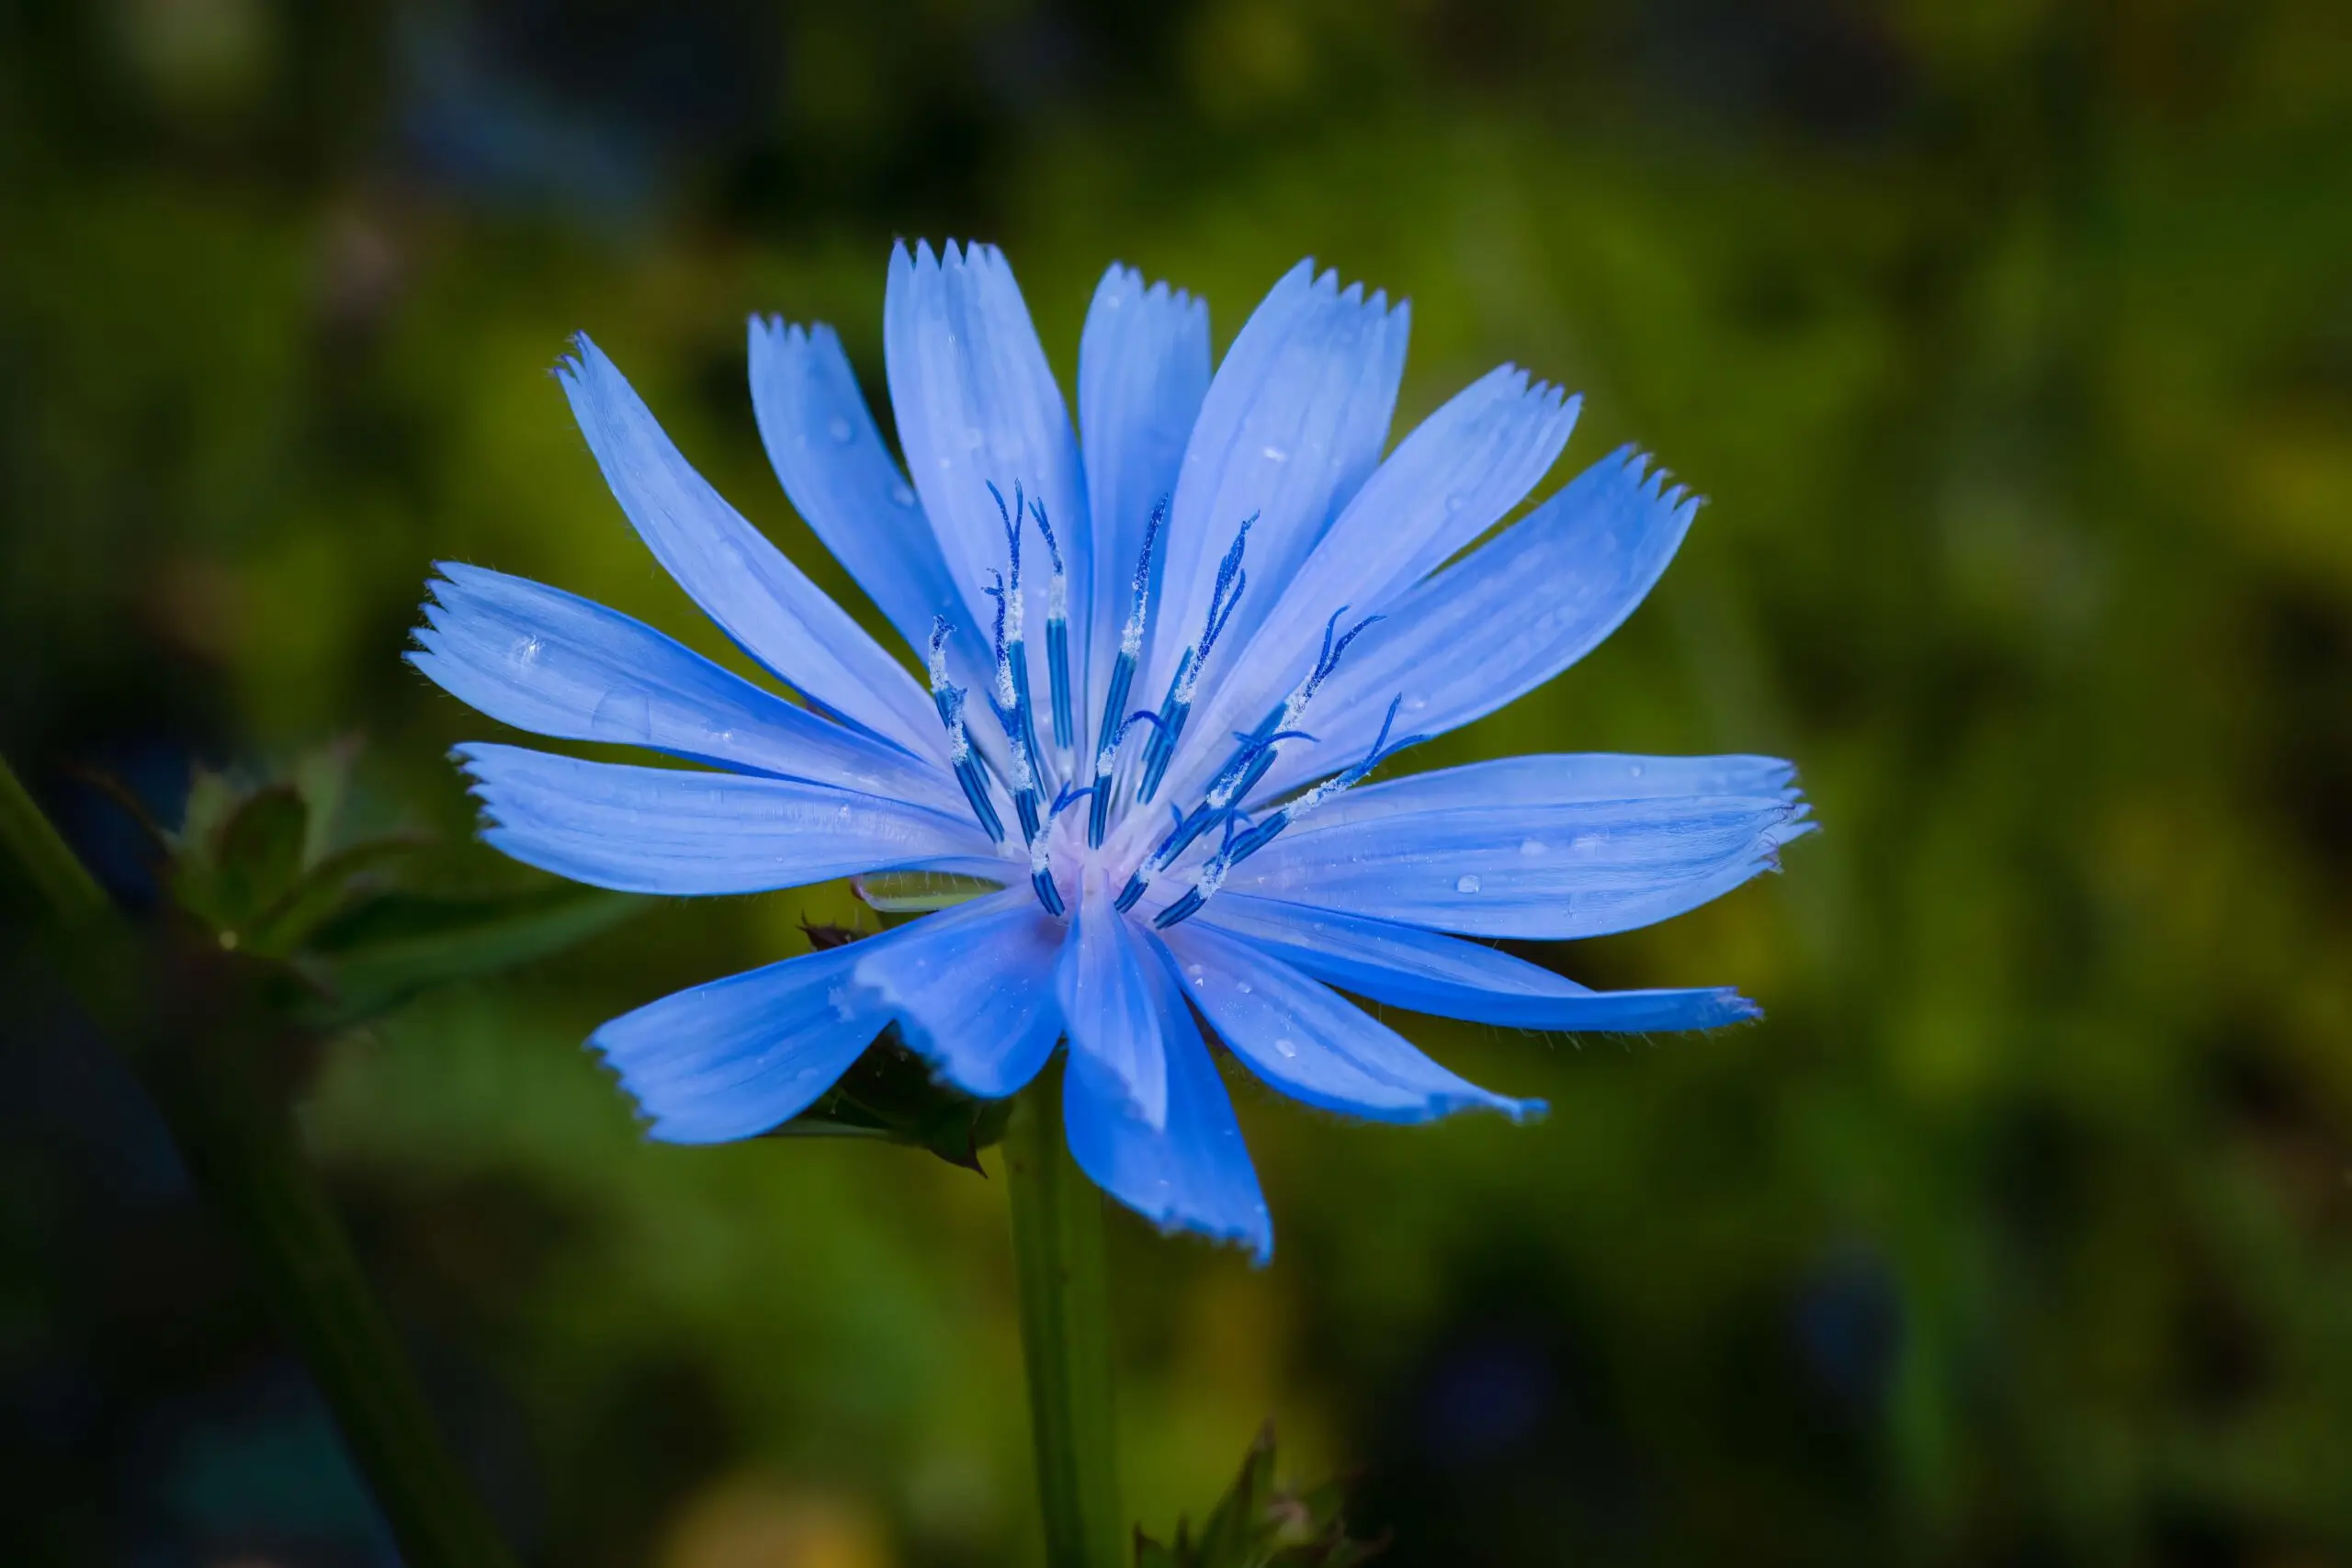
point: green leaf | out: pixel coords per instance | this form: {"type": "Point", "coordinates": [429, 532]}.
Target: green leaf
{"type": "Point", "coordinates": [1258, 1524]}
{"type": "Point", "coordinates": [890, 1092]}
{"type": "Point", "coordinates": [1236, 1525]}
{"type": "Point", "coordinates": [323, 777]}
{"type": "Point", "coordinates": [917, 892]}
{"type": "Point", "coordinates": [210, 798]}
{"type": "Point", "coordinates": [247, 863]}
{"type": "Point", "coordinates": [388, 946]}
{"type": "Point", "coordinates": [324, 891]}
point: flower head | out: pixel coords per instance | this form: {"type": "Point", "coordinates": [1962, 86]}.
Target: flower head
{"type": "Point", "coordinates": [1246, 610]}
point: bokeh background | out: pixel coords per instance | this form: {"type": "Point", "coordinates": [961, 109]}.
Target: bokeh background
{"type": "Point", "coordinates": [2013, 341]}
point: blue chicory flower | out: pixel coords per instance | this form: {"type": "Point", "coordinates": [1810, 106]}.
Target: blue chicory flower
{"type": "Point", "coordinates": [1245, 609]}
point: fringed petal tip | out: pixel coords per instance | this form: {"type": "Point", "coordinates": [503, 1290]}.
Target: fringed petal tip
{"type": "Point", "coordinates": [769, 331]}
{"type": "Point", "coordinates": [1653, 480]}
{"type": "Point", "coordinates": [489, 821]}
{"type": "Point", "coordinates": [582, 359]}
{"type": "Point", "coordinates": [1255, 1236]}
{"type": "Point", "coordinates": [953, 255]}
{"type": "Point", "coordinates": [685, 1121]}
{"type": "Point", "coordinates": [1796, 825]}
{"type": "Point", "coordinates": [1121, 278]}
{"type": "Point", "coordinates": [1523, 1112]}
{"type": "Point", "coordinates": [1738, 1010]}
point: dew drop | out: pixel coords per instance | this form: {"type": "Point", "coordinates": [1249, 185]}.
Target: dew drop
{"type": "Point", "coordinates": [1636, 770]}
{"type": "Point", "coordinates": [839, 430]}
{"type": "Point", "coordinates": [1276, 455]}
{"type": "Point", "coordinates": [1244, 987]}
{"type": "Point", "coordinates": [526, 651]}
{"type": "Point", "coordinates": [901, 495]}
{"type": "Point", "coordinates": [1465, 882]}
{"type": "Point", "coordinates": [1456, 502]}
{"type": "Point", "coordinates": [1530, 847]}
{"type": "Point", "coordinates": [1286, 1048]}
{"type": "Point", "coordinates": [622, 714]}
{"type": "Point", "coordinates": [1415, 705]}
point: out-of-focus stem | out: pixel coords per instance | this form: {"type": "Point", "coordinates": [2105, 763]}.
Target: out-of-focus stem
{"type": "Point", "coordinates": [199, 1041]}
{"type": "Point", "coordinates": [1065, 1333]}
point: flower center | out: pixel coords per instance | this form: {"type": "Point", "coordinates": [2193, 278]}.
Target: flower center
{"type": "Point", "coordinates": [1132, 750]}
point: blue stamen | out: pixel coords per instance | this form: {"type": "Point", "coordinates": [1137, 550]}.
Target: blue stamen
{"type": "Point", "coordinates": [968, 763]}
{"type": "Point", "coordinates": [1057, 637]}
{"type": "Point", "coordinates": [1224, 598]}
{"type": "Point", "coordinates": [1106, 760]}
{"type": "Point", "coordinates": [1040, 867]}
{"type": "Point", "coordinates": [1057, 681]}
{"type": "Point", "coordinates": [1041, 882]}
{"type": "Point", "coordinates": [1011, 700]}
{"type": "Point", "coordinates": [1183, 910]}
{"type": "Point", "coordinates": [1123, 675]}
{"type": "Point", "coordinates": [1238, 847]}
{"type": "Point", "coordinates": [1187, 830]}
{"type": "Point", "coordinates": [1204, 885]}
{"type": "Point", "coordinates": [1254, 756]}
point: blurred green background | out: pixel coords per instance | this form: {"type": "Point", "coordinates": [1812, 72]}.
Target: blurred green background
{"type": "Point", "coordinates": [2013, 341]}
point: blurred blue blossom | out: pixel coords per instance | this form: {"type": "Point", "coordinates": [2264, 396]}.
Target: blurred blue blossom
{"type": "Point", "coordinates": [1194, 642]}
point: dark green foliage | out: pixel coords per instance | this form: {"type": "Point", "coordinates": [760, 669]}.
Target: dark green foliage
{"type": "Point", "coordinates": [2012, 346]}
{"type": "Point", "coordinates": [352, 929]}
{"type": "Point", "coordinates": [890, 1092]}
{"type": "Point", "coordinates": [1261, 1523]}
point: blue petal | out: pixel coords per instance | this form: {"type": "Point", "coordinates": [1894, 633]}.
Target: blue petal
{"type": "Point", "coordinates": [1504, 619]}
{"type": "Point", "coordinates": [1192, 1174]}
{"type": "Point", "coordinates": [742, 581]}
{"type": "Point", "coordinates": [972, 988]}
{"type": "Point", "coordinates": [736, 1057]}
{"type": "Point", "coordinates": [1446, 483]}
{"type": "Point", "coordinates": [669, 831]}
{"type": "Point", "coordinates": [554, 664]}
{"type": "Point", "coordinates": [1564, 778]}
{"type": "Point", "coordinates": [1407, 967]}
{"type": "Point", "coordinates": [1556, 870]}
{"type": "Point", "coordinates": [1143, 367]}
{"type": "Point", "coordinates": [1311, 1043]}
{"type": "Point", "coordinates": [822, 442]}
{"type": "Point", "coordinates": [1107, 1003]}
{"type": "Point", "coordinates": [976, 404]}
{"type": "Point", "coordinates": [1292, 423]}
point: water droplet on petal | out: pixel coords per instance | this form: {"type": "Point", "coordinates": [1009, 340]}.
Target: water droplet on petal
{"type": "Point", "coordinates": [902, 495]}
{"type": "Point", "coordinates": [1530, 847]}
{"type": "Point", "coordinates": [839, 430]}
{"type": "Point", "coordinates": [1244, 987]}
{"type": "Point", "coordinates": [1636, 770]}
{"type": "Point", "coordinates": [1286, 1048]}
{"type": "Point", "coordinates": [1276, 455]}
{"type": "Point", "coordinates": [622, 714]}
{"type": "Point", "coordinates": [1456, 502]}
{"type": "Point", "coordinates": [1465, 882]}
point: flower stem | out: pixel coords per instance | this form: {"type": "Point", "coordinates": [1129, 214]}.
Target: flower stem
{"type": "Point", "coordinates": [1065, 1333]}
{"type": "Point", "coordinates": [200, 1044]}
{"type": "Point", "coordinates": [56, 873]}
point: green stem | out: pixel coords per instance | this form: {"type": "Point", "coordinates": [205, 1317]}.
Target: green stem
{"type": "Point", "coordinates": [56, 873]}
{"type": "Point", "coordinates": [1065, 1333]}
{"type": "Point", "coordinates": [238, 1142]}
